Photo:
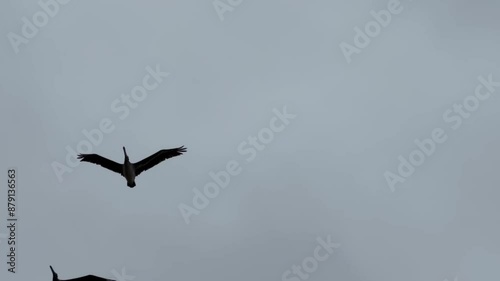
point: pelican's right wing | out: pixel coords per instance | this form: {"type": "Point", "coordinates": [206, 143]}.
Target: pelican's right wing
{"type": "Point", "coordinates": [99, 160]}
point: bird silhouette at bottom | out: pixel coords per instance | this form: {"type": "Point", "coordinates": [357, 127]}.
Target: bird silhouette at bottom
{"type": "Point", "coordinates": [55, 277]}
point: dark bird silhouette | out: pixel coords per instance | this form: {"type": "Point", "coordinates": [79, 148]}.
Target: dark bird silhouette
{"type": "Point", "coordinates": [55, 277]}
{"type": "Point", "coordinates": [131, 170]}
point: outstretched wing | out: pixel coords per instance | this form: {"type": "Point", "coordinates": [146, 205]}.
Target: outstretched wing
{"type": "Point", "coordinates": [151, 161]}
{"type": "Point", "coordinates": [99, 160]}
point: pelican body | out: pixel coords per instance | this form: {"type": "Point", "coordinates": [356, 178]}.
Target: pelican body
{"type": "Point", "coordinates": [131, 170]}
{"type": "Point", "coordinates": [128, 170]}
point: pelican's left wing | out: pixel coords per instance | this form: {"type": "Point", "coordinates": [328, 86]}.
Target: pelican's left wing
{"type": "Point", "coordinates": [151, 161]}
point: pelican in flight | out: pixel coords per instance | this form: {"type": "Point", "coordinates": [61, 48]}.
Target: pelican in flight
{"type": "Point", "coordinates": [131, 170]}
{"type": "Point", "coordinates": [83, 278]}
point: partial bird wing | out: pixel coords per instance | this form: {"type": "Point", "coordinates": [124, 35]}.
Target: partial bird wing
{"type": "Point", "coordinates": [83, 278]}
{"type": "Point", "coordinates": [151, 161]}
{"type": "Point", "coordinates": [89, 278]}
{"type": "Point", "coordinates": [99, 160]}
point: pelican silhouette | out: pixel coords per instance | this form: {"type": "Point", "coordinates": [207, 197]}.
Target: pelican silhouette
{"type": "Point", "coordinates": [55, 277]}
{"type": "Point", "coordinates": [131, 170]}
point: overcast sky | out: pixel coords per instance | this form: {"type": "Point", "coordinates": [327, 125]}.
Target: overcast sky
{"type": "Point", "coordinates": [323, 175]}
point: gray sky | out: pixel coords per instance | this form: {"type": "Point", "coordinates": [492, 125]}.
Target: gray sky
{"type": "Point", "coordinates": [321, 176]}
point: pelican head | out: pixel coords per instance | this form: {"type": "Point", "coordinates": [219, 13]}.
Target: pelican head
{"type": "Point", "coordinates": [125, 152]}
{"type": "Point", "coordinates": [54, 274]}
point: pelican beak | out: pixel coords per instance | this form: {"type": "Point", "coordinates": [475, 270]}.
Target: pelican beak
{"type": "Point", "coordinates": [124, 151]}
